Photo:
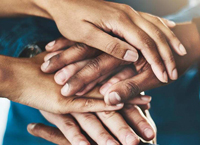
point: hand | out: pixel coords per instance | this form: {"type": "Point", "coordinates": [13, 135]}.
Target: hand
{"type": "Point", "coordinates": [92, 126]}
{"type": "Point", "coordinates": [146, 80]}
{"type": "Point", "coordinates": [104, 64]}
{"type": "Point", "coordinates": [23, 82]}
{"type": "Point", "coordinates": [92, 21]}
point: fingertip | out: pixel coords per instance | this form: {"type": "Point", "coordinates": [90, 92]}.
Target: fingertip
{"type": "Point", "coordinates": [149, 133]}
{"type": "Point", "coordinates": [174, 75]}
{"type": "Point", "coordinates": [31, 126]}
{"type": "Point", "coordinates": [171, 24]}
{"type": "Point", "coordinates": [50, 45]}
{"type": "Point", "coordinates": [45, 65]}
{"type": "Point", "coordinates": [182, 50]}
{"type": "Point", "coordinates": [131, 56]}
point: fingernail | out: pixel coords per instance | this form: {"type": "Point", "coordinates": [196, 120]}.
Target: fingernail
{"type": "Point", "coordinates": [165, 77]}
{"type": "Point", "coordinates": [31, 126]}
{"type": "Point", "coordinates": [130, 139]}
{"type": "Point", "coordinates": [171, 23]}
{"type": "Point", "coordinates": [45, 65]}
{"type": "Point", "coordinates": [50, 45]}
{"type": "Point", "coordinates": [182, 49]}
{"type": "Point", "coordinates": [146, 98]}
{"type": "Point", "coordinates": [104, 88]}
{"type": "Point", "coordinates": [111, 142]}
{"type": "Point", "coordinates": [83, 143]}
{"type": "Point", "coordinates": [60, 77]}
{"type": "Point", "coordinates": [120, 105]}
{"type": "Point", "coordinates": [114, 98]}
{"type": "Point", "coordinates": [131, 56]}
{"type": "Point", "coordinates": [65, 89]}
{"type": "Point", "coordinates": [174, 74]}
{"type": "Point", "coordinates": [148, 133]}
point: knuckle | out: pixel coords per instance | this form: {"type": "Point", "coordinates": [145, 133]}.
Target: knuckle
{"type": "Point", "coordinates": [132, 88]}
{"type": "Point", "coordinates": [113, 47]}
{"type": "Point", "coordinates": [120, 15]}
{"type": "Point", "coordinates": [81, 47]}
{"type": "Point", "coordinates": [146, 41]}
{"type": "Point", "coordinates": [95, 64]}
{"type": "Point", "coordinates": [107, 114]}
{"type": "Point", "coordinates": [70, 124]}
{"type": "Point", "coordinates": [156, 20]}
{"type": "Point", "coordinates": [52, 134]}
{"type": "Point", "coordinates": [88, 117]}
{"type": "Point", "coordinates": [89, 103]}
{"type": "Point", "coordinates": [157, 61]}
{"type": "Point", "coordinates": [159, 35]}
{"type": "Point", "coordinates": [169, 59]}
{"type": "Point", "coordinates": [141, 122]}
{"type": "Point", "coordinates": [86, 35]}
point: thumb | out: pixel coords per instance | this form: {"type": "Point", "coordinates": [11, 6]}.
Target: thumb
{"type": "Point", "coordinates": [127, 89]}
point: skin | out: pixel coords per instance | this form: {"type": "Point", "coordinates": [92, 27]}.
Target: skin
{"type": "Point", "coordinates": [120, 128]}
{"type": "Point", "coordinates": [99, 21]}
{"type": "Point", "coordinates": [115, 88]}
{"type": "Point", "coordinates": [20, 84]}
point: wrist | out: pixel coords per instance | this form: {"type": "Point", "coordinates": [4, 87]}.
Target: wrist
{"type": "Point", "coordinates": [189, 36]}
{"type": "Point", "coordinates": [42, 8]}
{"type": "Point", "coordinates": [6, 74]}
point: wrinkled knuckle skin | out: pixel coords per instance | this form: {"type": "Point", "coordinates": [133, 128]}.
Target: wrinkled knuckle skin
{"type": "Point", "coordinates": [159, 35]}
{"type": "Point", "coordinates": [107, 114]}
{"type": "Point", "coordinates": [94, 64]}
{"type": "Point", "coordinates": [113, 48]}
{"type": "Point", "coordinates": [88, 117]}
{"type": "Point", "coordinates": [81, 47]}
{"type": "Point", "coordinates": [169, 59]}
{"type": "Point", "coordinates": [147, 42]}
{"type": "Point", "coordinates": [132, 88]}
{"type": "Point", "coordinates": [52, 134]}
{"type": "Point", "coordinates": [89, 103]}
{"type": "Point", "coordinates": [70, 124]}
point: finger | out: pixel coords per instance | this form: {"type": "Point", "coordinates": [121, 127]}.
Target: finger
{"type": "Point", "coordinates": [96, 68]}
{"type": "Point", "coordinates": [48, 133]}
{"type": "Point", "coordinates": [111, 45]}
{"type": "Point", "coordinates": [63, 75]}
{"type": "Point", "coordinates": [144, 107]}
{"type": "Point", "coordinates": [126, 73]}
{"type": "Point", "coordinates": [162, 46]}
{"type": "Point", "coordinates": [130, 88]}
{"type": "Point", "coordinates": [51, 54]}
{"type": "Point", "coordinates": [93, 84]}
{"type": "Point", "coordinates": [70, 129]}
{"type": "Point", "coordinates": [71, 55]}
{"type": "Point", "coordinates": [118, 126]}
{"type": "Point", "coordinates": [169, 23]}
{"type": "Point", "coordinates": [59, 44]}
{"type": "Point", "coordinates": [79, 104]}
{"type": "Point", "coordinates": [138, 121]}
{"type": "Point", "coordinates": [140, 100]}
{"type": "Point", "coordinates": [94, 128]}
{"type": "Point", "coordinates": [128, 29]}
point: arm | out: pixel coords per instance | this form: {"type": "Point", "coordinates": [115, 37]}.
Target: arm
{"type": "Point", "coordinates": [16, 8]}
{"type": "Point", "coordinates": [91, 22]}
{"type": "Point", "coordinates": [23, 82]}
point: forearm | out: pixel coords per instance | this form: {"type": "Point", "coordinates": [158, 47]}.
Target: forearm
{"type": "Point", "coordinates": [17, 8]}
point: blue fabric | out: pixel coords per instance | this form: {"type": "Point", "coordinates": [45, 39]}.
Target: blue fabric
{"type": "Point", "coordinates": [14, 36]}
{"type": "Point", "coordinates": [175, 108]}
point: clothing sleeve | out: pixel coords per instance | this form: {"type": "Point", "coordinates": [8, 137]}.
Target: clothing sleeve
{"type": "Point", "coordinates": [186, 14]}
